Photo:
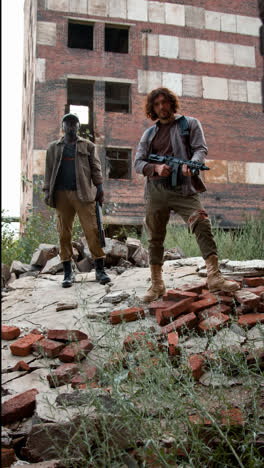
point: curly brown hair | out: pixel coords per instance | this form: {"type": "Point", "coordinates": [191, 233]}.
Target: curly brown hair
{"type": "Point", "coordinates": [169, 95]}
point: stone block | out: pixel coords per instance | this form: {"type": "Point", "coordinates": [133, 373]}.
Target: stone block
{"type": "Point", "coordinates": [204, 303]}
{"type": "Point", "coordinates": [228, 23]}
{"type": "Point", "coordinates": [137, 10]}
{"type": "Point", "coordinates": [186, 48]}
{"type": "Point", "coordinates": [254, 173]}
{"type": "Point", "coordinates": [215, 88]}
{"type": "Point", "coordinates": [39, 161]}
{"type": "Point", "coordinates": [195, 364]}
{"type": "Point", "coordinates": [247, 299]}
{"type": "Point", "coordinates": [148, 80]}
{"type": "Point", "coordinates": [62, 375]}
{"type": "Point", "coordinates": [176, 308]}
{"type": "Point", "coordinates": [23, 346]}
{"type": "Point", "coordinates": [75, 351]}
{"type": "Point", "coordinates": [152, 45]}
{"type": "Point", "coordinates": [212, 20]}
{"type": "Point", "coordinates": [194, 17]}
{"type": "Point", "coordinates": [43, 253]}
{"type": "Point", "coordinates": [179, 325]}
{"type": "Point", "coordinates": [114, 249]}
{"type": "Point", "coordinates": [204, 51]}
{"type": "Point", "coordinates": [19, 407]}
{"type": "Point", "coordinates": [249, 320]}
{"type": "Point", "coordinates": [40, 70]}
{"type": "Point", "coordinates": [117, 9]}
{"type": "Point", "coordinates": [237, 91]}
{"type": "Point", "coordinates": [48, 348]}
{"type": "Point", "coordinates": [254, 92]}
{"type": "Point", "coordinates": [224, 53]}
{"type": "Point", "coordinates": [173, 81]}
{"type": "Point", "coordinates": [248, 25]}
{"type": "Point", "coordinates": [52, 266]}
{"type": "Point", "coordinates": [236, 172]}
{"type": "Point", "coordinates": [59, 5]}
{"type": "Point", "coordinates": [78, 6]}
{"type": "Point", "coordinates": [174, 14]}
{"type": "Point", "coordinates": [66, 335]}
{"type": "Point", "coordinates": [156, 12]}
{"type": "Point", "coordinates": [97, 7]}
{"type": "Point", "coordinates": [140, 257]}
{"type": "Point", "coordinates": [132, 244]}
{"type": "Point", "coordinates": [213, 322]}
{"type": "Point", "coordinates": [222, 308]}
{"type": "Point", "coordinates": [192, 86]}
{"type": "Point", "coordinates": [218, 172]}
{"type": "Point", "coordinates": [168, 46]}
{"type": "Point", "coordinates": [9, 333]}
{"type": "Point", "coordinates": [173, 342]}
{"type": "Point", "coordinates": [8, 457]}
{"type": "Point", "coordinates": [127, 315]}
{"type": "Point", "coordinates": [244, 56]}
{"type": "Point", "coordinates": [46, 33]}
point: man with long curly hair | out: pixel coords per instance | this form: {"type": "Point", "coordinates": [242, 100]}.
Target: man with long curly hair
{"type": "Point", "coordinates": [182, 137]}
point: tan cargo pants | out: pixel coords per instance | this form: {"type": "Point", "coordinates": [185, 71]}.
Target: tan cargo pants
{"type": "Point", "coordinates": [67, 205]}
{"type": "Point", "coordinates": [160, 201]}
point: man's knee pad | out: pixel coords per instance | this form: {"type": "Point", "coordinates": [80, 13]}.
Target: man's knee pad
{"type": "Point", "coordinates": [198, 217]}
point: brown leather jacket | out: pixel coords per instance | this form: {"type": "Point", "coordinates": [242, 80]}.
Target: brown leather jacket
{"type": "Point", "coordinates": [87, 167]}
{"type": "Point", "coordinates": [193, 148]}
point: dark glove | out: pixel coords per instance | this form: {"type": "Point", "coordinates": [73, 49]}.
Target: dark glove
{"type": "Point", "coordinates": [99, 194]}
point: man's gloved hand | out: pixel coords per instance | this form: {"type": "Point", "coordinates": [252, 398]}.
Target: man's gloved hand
{"type": "Point", "coordinates": [99, 194]}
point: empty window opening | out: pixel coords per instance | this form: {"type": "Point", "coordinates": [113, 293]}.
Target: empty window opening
{"type": "Point", "coordinates": [116, 39]}
{"type": "Point", "coordinates": [80, 36]}
{"type": "Point", "coordinates": [80, 102]}
{"type": "Point", "coordinates": [117, 97]}
{"type": "Point", "coordinates": [118, 163]}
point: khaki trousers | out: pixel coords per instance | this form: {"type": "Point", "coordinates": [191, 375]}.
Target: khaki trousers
{"type": "Point", "coordinates": [160, 201]}
{"type": "Point", "coordinates": [67, 205]}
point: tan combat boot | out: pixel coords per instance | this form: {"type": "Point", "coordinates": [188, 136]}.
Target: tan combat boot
{"type": "Point", "coordinates": [216, 281]}
{"type": "Point", "coordinates": [157, 287]}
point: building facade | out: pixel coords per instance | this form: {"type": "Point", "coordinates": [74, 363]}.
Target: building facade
{"type": "Point", "coordinates": [100, 58]}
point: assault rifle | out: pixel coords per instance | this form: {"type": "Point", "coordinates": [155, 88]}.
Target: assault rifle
{"type": "Point", "coordinates": [99, 219]}
{"type": "Point", "coordinates": [175, 163]}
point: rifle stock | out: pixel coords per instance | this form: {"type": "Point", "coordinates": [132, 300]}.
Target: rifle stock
{"type": "Point", "coordinates": [99, 219]}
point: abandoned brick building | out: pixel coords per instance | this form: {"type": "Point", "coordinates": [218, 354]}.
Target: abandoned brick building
{"type": "Point", "coordinates": [100, 58]}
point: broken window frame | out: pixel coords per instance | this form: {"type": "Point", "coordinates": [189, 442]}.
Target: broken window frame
{"type": "Point", "coordinates": [115, 149]}
{"type": "Point", "coordinates": [85, 130]}
{"type": "Point", "coordinates": [118, 83]}
{"type": "Point", "coordinates": [89, 24]}
{"type": "Point", "coordinates": [120, 27]}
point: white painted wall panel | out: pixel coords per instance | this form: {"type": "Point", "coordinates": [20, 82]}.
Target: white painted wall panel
{"type": "Point", "coordinates": [192, 86]}
{"type": "Point", "coordinates": [195, 17]}
{"type": "Point", "coordinates": [98, 7]}
{"type": "Point", "coordinates": [59, 5]}
{"type": "Point", "coordinates": [156, 12]}
{"type": "Point", "coordinates": [151, 44]}
{"type": "Point", "coordinates": [40, 70]}
{"type": "Point", "coordinates": [248, 25]}
{"type": "Point", "coordinates": [137, 10]}
{"type": "Point", "coordinates": [204, 51]}
{"type": "Point", "coordinates": [168, 46]}
{"type": "Point", "coordinates": [78, 6]}
{"type": "Point", "coordinates": [148, 80]}
{"type": "Point", "coordinates": [255, 173]}
{"type": "Point", "coordinates": [254, 92]}
{"type": "Point", "coordinates": [46, 33]}
{"type": "Point", "coordinates": [228, 23]}
{"type": "Point", "coordinates": [173, 81]}
{"type": "Point", "coordinates": [212, 20]}
{"type": "Point", "coordinates": [224, 53]}
{"type": "Point", "coordinates": [186, 48]}
{"type": "Point", "coordinates": [174, 14]}
{"type": "Point", "coordinates": [118, 8]}
{"type": "Point", "coordinates": [244, 56]}
{"type": "Point", "coordinates": [215, 88]}
{"type": "Point", "coordinates": [237, 90]}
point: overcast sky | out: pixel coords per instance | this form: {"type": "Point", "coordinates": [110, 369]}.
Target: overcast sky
{"type": "Point", "coordinates": [12, 72]}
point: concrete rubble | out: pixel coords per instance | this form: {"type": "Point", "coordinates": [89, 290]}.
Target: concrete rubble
{"type": "Point", "coordinates": [55, 342]}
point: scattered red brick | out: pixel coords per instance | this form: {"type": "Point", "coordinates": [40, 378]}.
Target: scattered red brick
{"type": "Point", "coordinates": [23, 346]}
{"type": "Point", "coordinates": [256, 357]}
{"type": "Point", "coordinates": [173, 341]}
{"type": "Point", "coordinates": [8, 457]}
{"type": "Point", "coordinates": [248, 320]}
{"type": "Point", "coordinates": [21, 366]}
{"type": "Point", "coordinates": [204, 302]}
{"type": "Point", "coordinates": [35, 331]}
{"type": "Point", "coordinates": [49, 348]}
{"type": "Point", "coordinates": [178, 295]}
{"type": "Point", "coordinates": [128, 315]}
{"type": "Point", "coordinates": [19, 407]}
{"type": "Point", "coordinates": [196, 362]}
{"type": "Point", "coordinates": [214, 322]}
{"type": "Point", "coordinates": [133, 341]}
{"type": "Point", "coordinates": [141, 371]}
{"type": "Point", "coordinates": [254, 282]}
{"type": "Point", "coordinates": [228, 300]}
{"type": "Point", "coordinates": [116, 361]}
{"type": "Point", "coordinates": [232, 417]}
{"type": "Point", "coordinates": [197, 419]}
{"type": "Point", "coordinates": [66, 335]}
{"type": "Point", "coordinates": [176, 308]}
{"type": "Point", "coordinates": [63, 374]}
{"type": "Point", "coordinates": [9, 333]}
{"type": "Point", "coordinates": [85, 375]}
{"type": "Point", "coordinates": [260, 307]}
{"type": "Point", "coordinates": [75, 351]}
{"type": "Point", "coordinates": [222, 308]}
{"type": "Point", "coordinates": [247, 299]}
{"type": "Point", "coordinates": [196, 288]}
{"type": "Point", "coordinates": [186, 321]}
{"type": "Point", "coordinates": [238, 311]}
{"type": "Point", "coordinates": [157, 305]}
{"type": "Point", "coordinates": [258, 290]}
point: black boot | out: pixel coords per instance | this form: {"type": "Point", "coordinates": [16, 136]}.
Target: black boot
{"type": "Point", "coordinates": [68, 275]}
{"type": "Point", "coordinates": [100, 274]}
